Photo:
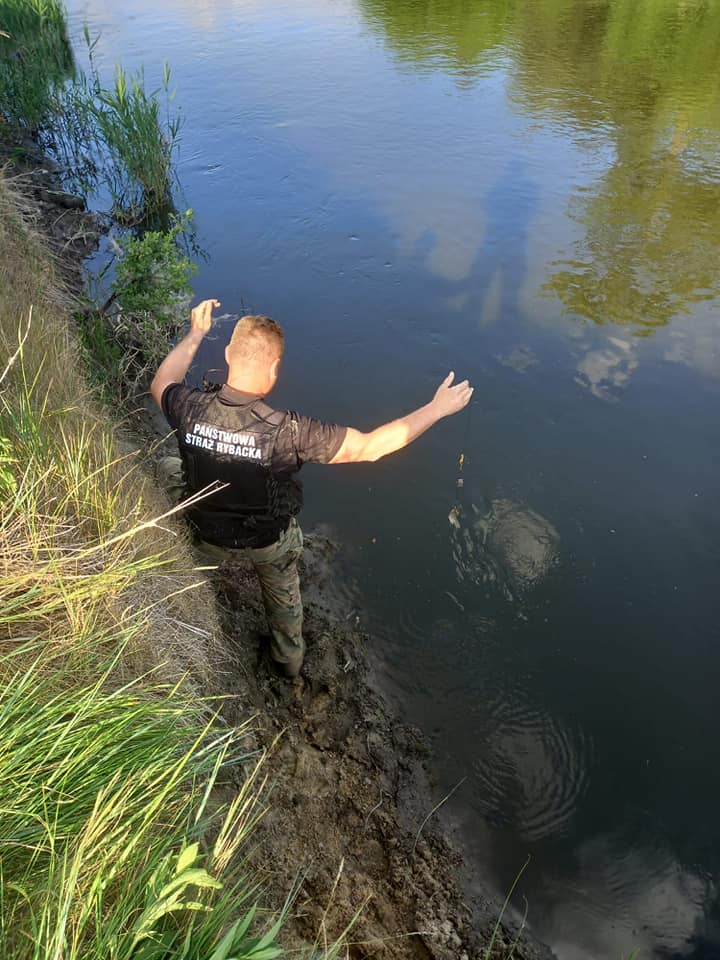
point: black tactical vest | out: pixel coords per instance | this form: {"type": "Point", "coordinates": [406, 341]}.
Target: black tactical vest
{"type": "Point", "coordinates": [233, 444]}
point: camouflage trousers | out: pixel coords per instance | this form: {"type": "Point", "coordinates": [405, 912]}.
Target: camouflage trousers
{"type": "Point", "coordinates": [276, 569]}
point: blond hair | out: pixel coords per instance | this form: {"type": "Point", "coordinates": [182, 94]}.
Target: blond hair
{"type": "Point", "coordinates": [256, 340]}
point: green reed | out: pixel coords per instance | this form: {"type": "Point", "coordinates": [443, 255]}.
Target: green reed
{"type": "Point", "coordinates": [121, 138]}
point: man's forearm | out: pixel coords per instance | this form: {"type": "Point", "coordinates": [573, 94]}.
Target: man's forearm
{"type": "Point", "coordinates": [176, 364]}
{"type": "Point", "coordinates": [389, 438]}
{"type": "Point", "coordinates": [393, 436]}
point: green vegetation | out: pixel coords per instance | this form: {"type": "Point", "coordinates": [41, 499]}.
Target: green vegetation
{"type": "Point", "coordinates": [35, 59]}
{"type": "Point", "coordinates": [152, 293]}
{"type": "Point", "coordinates": [153, 275]}
{"type": "Point", "coordinates": [117, 140]}
{"type": "Point", "coordinates": [148, 306]}
{"type": "Point", "coordinates": [120, 140]}
{"type": "Point", "coordinates": [105, 804]}
{"type": "Point", "coordinates": [129, 123]}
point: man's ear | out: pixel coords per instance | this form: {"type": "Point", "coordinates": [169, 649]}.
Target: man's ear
{"type": "Point", "coordinates": [275, 369]}
{"type": "Point", "coordinates": [227, 359]}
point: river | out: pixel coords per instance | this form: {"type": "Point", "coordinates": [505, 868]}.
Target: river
{"type": "Point", "coordinates": [526, 192]}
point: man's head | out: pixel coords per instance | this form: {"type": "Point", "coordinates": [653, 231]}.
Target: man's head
{"type": "Point", "coordinates": [254, 353]}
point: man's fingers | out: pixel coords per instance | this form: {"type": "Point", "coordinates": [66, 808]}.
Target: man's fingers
{"type": "Point", "coordinates": [451, 397]}
{"type": "Point", "coordinates": [201, 316]}
{"type": "Point", "coordinates": [208, 304]}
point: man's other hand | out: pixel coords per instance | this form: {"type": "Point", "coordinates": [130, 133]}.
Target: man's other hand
{"type": "Point", "coordinates": [451, 398]}
{"type": "Point", "coordinates": [201, 316]}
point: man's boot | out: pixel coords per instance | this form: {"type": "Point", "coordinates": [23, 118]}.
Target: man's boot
{"type": "Point", "coordinates": [289, 668]}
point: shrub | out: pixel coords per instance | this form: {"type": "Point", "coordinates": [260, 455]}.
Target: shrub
{"type": "Point", "coordinates": [152, 289]}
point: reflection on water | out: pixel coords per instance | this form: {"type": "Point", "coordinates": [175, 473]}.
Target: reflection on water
{"type": "Point", "coordinates": [529, 769]}
{"type": "Point", "coordinates": [641, 79]}
{"type": "Point", "coordinates": [507, 545]}
{"type": "Point", "coordinates": [452, 34]}
{"type": "Point", "coordinates": [626, 892]}
{"type": "Point", "coordinates": [651, 238]}
{"type": "Point", "coordinates": [606, 371]}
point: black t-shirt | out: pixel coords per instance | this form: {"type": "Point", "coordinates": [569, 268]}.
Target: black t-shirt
{"type": "Point", "coordinates": [297, 439]}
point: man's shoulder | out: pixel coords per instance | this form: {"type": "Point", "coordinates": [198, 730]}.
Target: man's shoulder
{"type": "Point", "coordinates": [271, 415]}
{"type": "Point", "coordinates": [314, 440]}
{"type": "Point", "coordinates": [176, 397]}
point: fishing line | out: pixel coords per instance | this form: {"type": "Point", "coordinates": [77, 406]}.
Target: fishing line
{"type": "Point", "coordinates": [460, 482]}
{"type": "Point", "coordinates": [456, 511]}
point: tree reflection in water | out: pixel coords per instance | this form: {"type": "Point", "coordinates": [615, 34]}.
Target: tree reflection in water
{"type": "Point", "coordinates": [636, 78]}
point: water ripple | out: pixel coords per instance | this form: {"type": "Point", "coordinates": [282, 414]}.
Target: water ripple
{"type": "Point", "coordinates": [533, 769]}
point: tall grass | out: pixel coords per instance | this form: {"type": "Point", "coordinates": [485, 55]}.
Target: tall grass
{"type": "Point", "coordinates": [136, 137]}
{"type": "Point", "coordinates": [35, 59]}
{"type": "Point", "coordinates": [114, 843]}
{"type": "Point", "coordinates": [121, 138]}
{"type": "Point", "coordinates": [105, 803]}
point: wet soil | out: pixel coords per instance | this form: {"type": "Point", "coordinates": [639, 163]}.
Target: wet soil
{"type": "Point", "coordinates": [350, 823]}
{"type": "Point", "coordinates": [352, 792]}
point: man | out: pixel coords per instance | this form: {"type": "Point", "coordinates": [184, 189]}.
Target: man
{"type": "Point", "coordinates": [249, 453]}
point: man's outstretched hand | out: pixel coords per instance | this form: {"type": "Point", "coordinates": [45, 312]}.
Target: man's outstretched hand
{"type": "Point", "coordinates": [201, 316]}
{"type": "Point", "coordinates": [451, 398]}
{"type": "Point", "coordinates": [177, 363]}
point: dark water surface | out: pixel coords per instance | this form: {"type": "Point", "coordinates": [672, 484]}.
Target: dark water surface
{"type": "Point", "coordinates": [527, 193]}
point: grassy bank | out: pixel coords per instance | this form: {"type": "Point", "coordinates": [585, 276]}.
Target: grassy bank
{"type": "Point", "coordinates": [114, 839]}
{"type": "Point", "coordinates": [112, 843]}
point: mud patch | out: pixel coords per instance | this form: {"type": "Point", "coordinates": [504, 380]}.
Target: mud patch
{"type": "Point", "coordinates": [351, 789]}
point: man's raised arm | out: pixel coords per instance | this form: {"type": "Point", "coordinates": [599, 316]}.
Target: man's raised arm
{"type": "Point", "coordinates": [177, 363]}
{"type": "Point", "coordinates": [358, 447]}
